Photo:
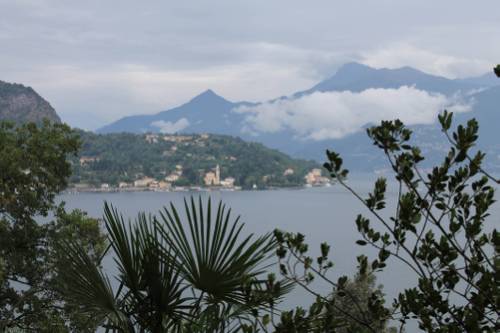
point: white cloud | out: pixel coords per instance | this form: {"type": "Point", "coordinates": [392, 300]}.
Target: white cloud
{"type": "Point", "coordinates": [404, 54]}
{"type": "Point", "coordinates": [170, 127]}
{"type": "Point", "coordinates": [331, 115]}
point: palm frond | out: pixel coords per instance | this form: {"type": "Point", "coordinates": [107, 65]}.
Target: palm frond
{"type": "Point", "coordinates": [154, 288]}
{"type": "Point", "coordinates": [210, 252]}
{"type": "Point", "coordinates": [87, 287]}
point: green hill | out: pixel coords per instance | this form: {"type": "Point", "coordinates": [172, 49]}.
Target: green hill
{"type": "Point", "coordinates": [126, 157]}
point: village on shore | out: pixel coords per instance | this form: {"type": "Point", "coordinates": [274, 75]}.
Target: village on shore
{"type": "Point", "coordinates": [212, 181]}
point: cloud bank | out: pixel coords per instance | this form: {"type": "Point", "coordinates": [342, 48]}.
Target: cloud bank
{"type": "Point", "coordinates": [171, 127]}
{"type": "Point", "coordinates": [405, 54]}
{"type": "Point", "coordinates": [94, 69]}
{"type": "Point", "coordinates": [332, 115]}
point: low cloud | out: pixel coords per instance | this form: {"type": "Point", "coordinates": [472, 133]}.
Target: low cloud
{"type": "Point", "coordinates": [171, 127]}
{"type": "Point", "coordinates": [332, 115]}
{"type": "Point", "coordinates": [404, 54]}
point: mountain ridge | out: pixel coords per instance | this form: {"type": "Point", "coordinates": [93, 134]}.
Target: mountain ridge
{"type": "Point", "coordinates": [211, 113]}
{"type": "Point", "coordinates": [199, 112]}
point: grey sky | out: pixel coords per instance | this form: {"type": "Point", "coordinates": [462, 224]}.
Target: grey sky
{"type": "Point", "coordinates": [97, 61]}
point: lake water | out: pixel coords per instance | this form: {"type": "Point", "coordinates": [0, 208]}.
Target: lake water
{"type": "Point", "coordinates": [322, 214]}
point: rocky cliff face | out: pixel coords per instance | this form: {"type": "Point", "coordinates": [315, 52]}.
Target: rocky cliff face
{"type": "Point", "coordinates": [22, 104]}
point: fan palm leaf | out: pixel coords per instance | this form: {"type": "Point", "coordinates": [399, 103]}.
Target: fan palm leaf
{"type": "Point", "coordinates": [150, 295]}
{"type": "Point", "coordinates": [87, 287]}
{"type": "Point", "coordinates": [159, 259]}
{"type": "Point", "coordinates": [209, 251]}
{"type": "Point", "coordinates": [154, 289]}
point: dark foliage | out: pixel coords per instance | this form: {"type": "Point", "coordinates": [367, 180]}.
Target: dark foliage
{"type": "Point", "coordinates": [34, 168]}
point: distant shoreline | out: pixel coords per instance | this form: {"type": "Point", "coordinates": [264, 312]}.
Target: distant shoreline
{"type": "Point", "coordinates": [73, 190]}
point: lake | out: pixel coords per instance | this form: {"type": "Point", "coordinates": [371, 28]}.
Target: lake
{"type": "Point", "coordinates": [322, 214]}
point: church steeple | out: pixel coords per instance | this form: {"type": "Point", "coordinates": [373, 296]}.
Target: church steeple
{"type": "Point", "coordinates": [217, 175]}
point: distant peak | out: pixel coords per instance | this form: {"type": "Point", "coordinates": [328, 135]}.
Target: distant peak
{"type": "Point", "coordinates": [357, 68]}
{"type": "Point", "coordinates": [407, 70]}
{"type": "Point", "coordinates": [209, 92]}
{"type": "Point", "coordinates": [354, 67]}
{"type": "Point", "coordinates": [348, 72]}
{"type": "Point", "coordinates": [208, 95]}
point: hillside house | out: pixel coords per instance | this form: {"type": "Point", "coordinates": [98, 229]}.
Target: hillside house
{"type": "Point", "coordinates": [85, 160]}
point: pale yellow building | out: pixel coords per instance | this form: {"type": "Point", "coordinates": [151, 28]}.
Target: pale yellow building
{"type": "Point", "coordinates": [212, 178]}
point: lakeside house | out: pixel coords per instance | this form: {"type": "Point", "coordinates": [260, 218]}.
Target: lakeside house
{"type": "Point", "coordinates": [228, 182]}
{"type": "Point", "coordinates": [163, 185]}
{"type": "Point", "coordinates": [316, 178]}
{"type": "Point", "coordinates": [212, 178]}
{"type": "Point", "coordinates": [143, 182]}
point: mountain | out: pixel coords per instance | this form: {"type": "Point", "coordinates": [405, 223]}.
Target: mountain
{"type": "Point", "coordinates": [22, 104]}
{"type": "Point", "coordinates": [357, 77]}
{"type": "Point", "coordinates": [210, 113]}
{"type": "Point", "coordinates": [207, 112]}
{"type": "Point", "coordinates": [484, 81]}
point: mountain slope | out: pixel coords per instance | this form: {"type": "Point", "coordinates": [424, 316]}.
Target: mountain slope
{"type": "Point", "coordinates": [22, 104]}
{"type": "Point", "coordinates": [207, 112]}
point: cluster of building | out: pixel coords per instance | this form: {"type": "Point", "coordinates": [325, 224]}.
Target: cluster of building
{"type": "Point", "coordinates": [212, 178]}
{"type": "Point", "coordinates": [316, 178]}
{"type": "Point", "coordinates": [155, 138]}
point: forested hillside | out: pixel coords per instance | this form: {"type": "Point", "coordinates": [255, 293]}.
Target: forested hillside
{"type": "Point", "coordinates": [126, 157]}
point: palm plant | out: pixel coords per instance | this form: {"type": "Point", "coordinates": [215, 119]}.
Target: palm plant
{"type": "Point", "coordinates": [175, 275]}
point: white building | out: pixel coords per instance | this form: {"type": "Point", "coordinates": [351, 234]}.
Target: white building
{"type": "Point", "coordinates": [314, 177]}
{"type": "Point", "coordinates": [173, 177]}
{"type": "Point", "coordinates": [228, 182]}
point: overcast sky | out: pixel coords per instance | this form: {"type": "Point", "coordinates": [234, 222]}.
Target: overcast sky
{"type": "Point", "coordinates": [96, 61]}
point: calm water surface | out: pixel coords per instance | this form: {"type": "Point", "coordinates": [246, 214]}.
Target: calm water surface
{"type": "Point", "coordinates": [322, 214]}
